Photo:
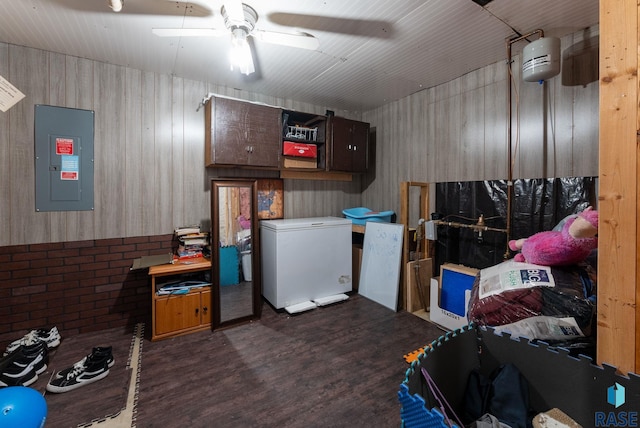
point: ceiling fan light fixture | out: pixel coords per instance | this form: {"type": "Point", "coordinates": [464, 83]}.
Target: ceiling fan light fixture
{"type": "Point", "coordinates": [240, 53]}
{"type": "Point", "coordinates": [239, 15]}
{"type": "Point", "coordinates": [240, 23]}
{"type": "Point", "coordinates": [116, 5]}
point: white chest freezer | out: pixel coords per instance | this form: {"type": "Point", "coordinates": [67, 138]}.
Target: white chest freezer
{"type": "Point", "coordinates": [305, 259]}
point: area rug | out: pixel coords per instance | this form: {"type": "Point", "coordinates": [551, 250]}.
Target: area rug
{"type": "Point", "coordinates": [101, 400]}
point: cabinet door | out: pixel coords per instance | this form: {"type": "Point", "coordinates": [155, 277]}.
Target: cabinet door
{"type": "Point", "coordinates": [175, 313]}
{"type": "Point", "coordinates": [359, 146]}
{"type": "Point", "coordinates": [340, 144]}
{"type": "Point", "coordinates": [349, 145]}
{"type": "Point", "coordinates": [242, 133]}
{"type": "Point", "coordinates": [264, 136]}
{"type": "Point", "coordinates": [205, 307]}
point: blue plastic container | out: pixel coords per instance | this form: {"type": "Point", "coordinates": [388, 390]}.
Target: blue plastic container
{"type": "Point", "coordinates": [361, 215]}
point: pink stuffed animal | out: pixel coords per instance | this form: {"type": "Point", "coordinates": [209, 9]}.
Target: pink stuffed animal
{"type": "Point", "coordinates": [244, 222]}
{"type": "Point", "coordinates": [572, 244]}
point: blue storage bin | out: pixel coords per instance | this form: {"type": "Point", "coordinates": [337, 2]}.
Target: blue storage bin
{"type": "Point", "coordinates": [361, 215]}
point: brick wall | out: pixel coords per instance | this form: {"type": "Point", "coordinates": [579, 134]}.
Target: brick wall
{"type": "Point", "coordinates": [76, 286]}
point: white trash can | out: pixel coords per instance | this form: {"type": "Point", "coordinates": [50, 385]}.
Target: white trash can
{"type": "Point", "coordinates": [246, 264]}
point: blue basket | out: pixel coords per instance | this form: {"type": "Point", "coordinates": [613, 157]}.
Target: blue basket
{"type": "Point", "coordinates": [362, 215]}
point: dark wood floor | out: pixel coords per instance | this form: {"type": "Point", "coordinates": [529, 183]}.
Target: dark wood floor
{"type": "Point", "coordinates": [335, 366]}
{"type": "Point", "coordinates": [98, 400]}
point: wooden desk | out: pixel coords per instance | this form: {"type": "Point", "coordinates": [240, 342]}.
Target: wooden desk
{"type": "Point", "coordinates": [173, 315]}
{"type": "Point", "coordinates": [189, 265]}
{"type": "Point", "coordinates": [358, 228]}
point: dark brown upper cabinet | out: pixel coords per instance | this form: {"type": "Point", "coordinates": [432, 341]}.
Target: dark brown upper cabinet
{"type": "Point", "coordinates": [349, 146]}
{"type": "Point", "coordinates": [241, 133]}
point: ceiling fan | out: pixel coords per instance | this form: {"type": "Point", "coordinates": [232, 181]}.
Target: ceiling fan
{"type": "Point", "coordinates": [240, 23]}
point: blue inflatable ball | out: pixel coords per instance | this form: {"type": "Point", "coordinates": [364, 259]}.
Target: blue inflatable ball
{"type": "Point", "coordinates": [22, 407]}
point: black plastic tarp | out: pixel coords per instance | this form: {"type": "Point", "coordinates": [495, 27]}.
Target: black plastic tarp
{"type": "Point", "coordinates": [536, 205]}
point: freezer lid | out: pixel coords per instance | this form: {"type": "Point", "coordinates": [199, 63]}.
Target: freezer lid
{"type": "Point", "coordinates": [304, 223]}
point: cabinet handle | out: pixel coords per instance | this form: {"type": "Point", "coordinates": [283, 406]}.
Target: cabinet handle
{"type": "Point", "coordinates": [204, 310]}
{"type": "Point", "coordinates": [355, 148]}
{"type": "Point", "coordinates": [197, 310]}
{"type": "Point", "coordinates": [349, 147]}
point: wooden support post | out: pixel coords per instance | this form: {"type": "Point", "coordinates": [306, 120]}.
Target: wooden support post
{"type": "Point", "coordinates": [618, 341]}
{"type": "Point", "coordinates": [410, 298]}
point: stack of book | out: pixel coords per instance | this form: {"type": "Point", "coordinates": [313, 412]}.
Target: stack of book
{"type": "Point", "coordinates": [192, 242]}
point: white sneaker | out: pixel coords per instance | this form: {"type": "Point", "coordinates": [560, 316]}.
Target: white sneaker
{"type": "Point", "coordinates": [50, 337]}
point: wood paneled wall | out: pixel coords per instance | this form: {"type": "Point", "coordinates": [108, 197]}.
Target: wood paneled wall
{"type": "Point", "coordinates": [149, 151]}
{"type": "Point", "coordinates": [149, 142]}
{"type": "Point", "coordinates": [458, 131]}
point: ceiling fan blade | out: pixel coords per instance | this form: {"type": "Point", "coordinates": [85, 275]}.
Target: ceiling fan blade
{"type": "Point", "coordinates": [296, 40]}
{"type": "Point", "coordinates": [189, 32]}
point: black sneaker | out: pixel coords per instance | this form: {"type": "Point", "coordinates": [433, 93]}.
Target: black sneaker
{"type": "Point", "coordinates": [36, 355]}
{"type": "Point", "coordinates": [91, 371]}
{"type": "Point", "coordinates": [23, 365]}
{"type": "Point", "coordinates": [98, 353]}
{"type": "Point", "coordinates": [15, 376]}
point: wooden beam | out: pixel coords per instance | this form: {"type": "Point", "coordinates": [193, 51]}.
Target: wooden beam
{"type": "Point", "coordinates": [424, 213]}
{"type": "Point", "coordinates": [618, 198]}
{"type": "Point", "coordinates": [637, 219]}
{"type": "Point", "coordinates": [409, 299]}
{"type": "Point", "coordinates": [404, 219]}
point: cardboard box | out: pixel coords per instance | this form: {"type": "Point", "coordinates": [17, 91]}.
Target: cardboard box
{"type": "Point", "coordinates": [442, 317]}
{"type": "Point", "coordinates": [303, 150]}
{"type": "Point", "coordinates": [295, 162]}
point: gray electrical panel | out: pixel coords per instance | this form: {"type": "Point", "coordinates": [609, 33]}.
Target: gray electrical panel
{"type": "Point", "coordinates": [64, 158]}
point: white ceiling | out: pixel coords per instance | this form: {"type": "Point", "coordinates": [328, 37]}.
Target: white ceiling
{"type": "Point", "coordinates": [370, 52]}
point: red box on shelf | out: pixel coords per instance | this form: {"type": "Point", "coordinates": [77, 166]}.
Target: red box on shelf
{"type": "Point", "coordinates": [300, 150]}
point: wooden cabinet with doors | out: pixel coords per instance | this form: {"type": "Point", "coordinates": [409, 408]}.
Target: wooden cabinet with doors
{"type": "Point", "coordinates": [241, 133]}
{"type": "Point", "coordinates": [176, 314]}
{"type": "Point", "coordinates": [179, 314]}
{"type": "Point", "coordinates": [349, 148]}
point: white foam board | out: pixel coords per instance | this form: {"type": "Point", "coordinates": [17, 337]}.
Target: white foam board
{"type": "Point", "coordinates": [380, 269]}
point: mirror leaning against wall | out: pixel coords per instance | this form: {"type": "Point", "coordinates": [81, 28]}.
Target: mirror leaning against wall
{"type": "Point", "coordinates": [235, 247]}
